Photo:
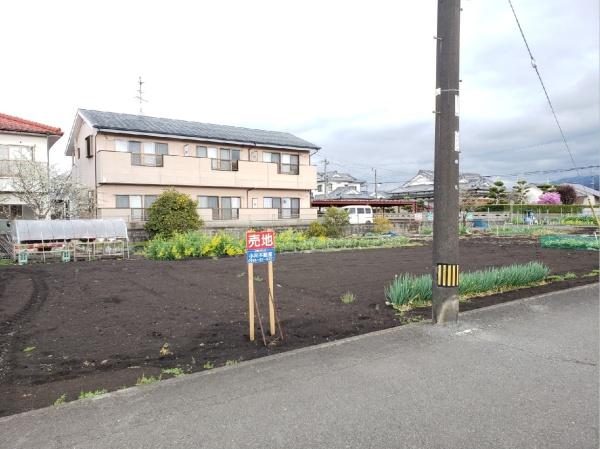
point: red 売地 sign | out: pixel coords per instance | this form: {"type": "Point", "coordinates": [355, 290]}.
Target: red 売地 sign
{"type": "Point", "coordinates": [260, 240]}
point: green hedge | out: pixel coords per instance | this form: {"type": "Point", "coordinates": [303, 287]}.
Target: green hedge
{"type": "Point", "coordinates": [407, 289]}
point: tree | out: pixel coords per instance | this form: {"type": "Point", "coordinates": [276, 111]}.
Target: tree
{"type": "Point", "coordinates": [49, 192]}
{"type": "Point", "coordinates": [335, 221]}
{"type": "Point", "coordinates": [519, 192]}
{"type": "Point", "coordinates": [497, 192]}
{"type": "Point", "coordinates": [172, 212]}
{"type": "Point", "coordinates": [549, 198]}
{"type": "Point", "coordinates": [546, 187]}
{"type": "Point", "coordinates": [567, 194]}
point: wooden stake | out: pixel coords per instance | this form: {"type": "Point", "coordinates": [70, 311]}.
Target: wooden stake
{"type": "Point", "coordinates": [251, 300]}
{"type": "Point", "coordinates": [271, 301]}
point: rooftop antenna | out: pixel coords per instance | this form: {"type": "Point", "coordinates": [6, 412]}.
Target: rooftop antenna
{"type": "Point", "coordinates": [140, 94]}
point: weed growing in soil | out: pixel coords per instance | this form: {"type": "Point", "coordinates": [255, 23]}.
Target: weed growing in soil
{"type": "Point", "coordinates": [348, 298]}
{"type": "Point", "coordinates": [570, 275]}
{"type": "Point", "coordinates": [147, 380]}
{"type": "Point", "coordinates": [60, 400]}
{"type": "Point", "coordinates": [29, 349]}
{"type": "Point", "coordinates": [208, 365]}
{"type": "Point", "coordinates": [231, 362]}
{"type": "Point", "coordinates": [173, 371]}
{"type": "Point", "coordinates": [91, 394]}
{"type": "Point", "coordinates": [258, 279]}
{"type": "Point", "coordinates": [593, 273]}
{"type": "Point", "coordinates": [416, 290]}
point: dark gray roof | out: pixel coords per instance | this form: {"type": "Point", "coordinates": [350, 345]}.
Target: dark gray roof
{"type": "Point", "coordinates": [183, 128]}
{"type": "Point", "coordinates": [335, 176]}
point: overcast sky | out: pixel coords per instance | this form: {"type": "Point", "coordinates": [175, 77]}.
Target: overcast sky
{"type": "Point", "coordinates": [356, 78]}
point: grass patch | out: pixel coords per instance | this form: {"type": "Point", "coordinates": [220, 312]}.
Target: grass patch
{"type": "Point", "coordinates": [570, 275]}
{"type": "Point", "coordinates": [348, 298]}
{"type": "Point", "coordinates": [574, 242]}
{"type": "Point", "coordinates": [176, 372]}
{"type": "Point", "coordinates": [91, 394]}
{"type": "Point", "coordinates": [231, 362]}
{"type": "Point", "coordinates": [208, 365]}
{"type": "Point", "coordinates": [414, 291]}
{"type": "Point", "coordinates": [593, 273]}
{"type": "Point", "coordinates": [147, 380]}
{"type": "Point", "coordinates": [60, 400]}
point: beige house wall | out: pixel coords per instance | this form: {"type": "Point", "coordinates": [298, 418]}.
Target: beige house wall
{"type": "Point", "coordinates": [83, 167]}
{"type": "Point", "coordinates": [113, 174]}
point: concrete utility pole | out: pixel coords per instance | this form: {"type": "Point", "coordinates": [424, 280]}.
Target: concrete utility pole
{"type": "Point", "coordinates": [445, 222]}
{"type": "Point", "coordinates": [325, 162]}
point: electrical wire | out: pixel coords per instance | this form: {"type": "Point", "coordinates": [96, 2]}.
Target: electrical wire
{"type": "Point", "coordinates": [535, 67]}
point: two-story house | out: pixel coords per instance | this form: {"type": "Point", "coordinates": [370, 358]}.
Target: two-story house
{"type": "Point", "coordinates": [333, 180]}
{"type": "Point", "coordinates": [249, 176]}
{"type": "Point", "coordinates": [21, 140]}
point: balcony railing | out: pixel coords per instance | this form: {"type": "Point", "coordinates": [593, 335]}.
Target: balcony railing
{"type": "Point", "coordinates": [225, 214]}
{"type": "Point", "coordinates": [224, 165]}
{"type": "Point", "coordinates": [10, 168]}
{"type": "Point", "coordinates": [293, 212]}
{"type": "Point", "coordinates": [138, 214]}
{"type": "Point", "coordinates": [288, 169]}
{"type": "Point", "coordinates": [147, 160]}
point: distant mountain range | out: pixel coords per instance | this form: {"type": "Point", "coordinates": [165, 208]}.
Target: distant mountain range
{"type": "Point", "coordinates": [592, 181]}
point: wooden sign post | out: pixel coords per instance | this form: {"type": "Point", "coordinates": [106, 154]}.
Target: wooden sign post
{"type": "Point", "coordinates": [260, 248]}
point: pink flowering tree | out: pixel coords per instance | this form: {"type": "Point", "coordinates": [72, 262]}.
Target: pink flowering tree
{"type": "Point", "coordinates": [549, 198]}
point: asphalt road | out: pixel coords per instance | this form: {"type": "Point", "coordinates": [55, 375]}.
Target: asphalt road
{"type": "Point", "coordinates": [518, 375]}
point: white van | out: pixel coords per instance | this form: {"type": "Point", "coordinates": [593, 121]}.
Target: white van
{"type": "Point", "coordinates": [359, 214]}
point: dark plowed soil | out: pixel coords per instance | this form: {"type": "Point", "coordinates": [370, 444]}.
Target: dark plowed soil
{"type": "Point", "coordinates": [101, 325]}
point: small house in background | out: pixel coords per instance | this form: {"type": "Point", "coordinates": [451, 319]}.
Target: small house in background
{"type": "Point", "coordinates": [420, 186]}
{"type": "Point", "coordinates": [585, 195]}
{"type": "Point", "coordinates": [342, 183]}
{"type": "Point", "coordinates": [21, 140]}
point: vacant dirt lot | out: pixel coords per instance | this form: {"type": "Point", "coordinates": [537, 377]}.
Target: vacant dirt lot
{"type": "Point", "coordinates": [95, 325]}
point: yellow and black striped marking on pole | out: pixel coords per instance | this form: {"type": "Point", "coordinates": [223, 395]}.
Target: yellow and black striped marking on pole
{"type": "Point", "coordinates": [447, 275]}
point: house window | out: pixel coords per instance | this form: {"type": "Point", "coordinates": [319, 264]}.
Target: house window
{"type": "Point", "coordinates": [320, 188]}
{"type": "Point", "coordinates": [16, 153]}
{"type": "Point", "coordinates": [288, 164]}
{"type": "Point", "coordinates": [11, 211]}
{"type": "Point", "coordinates": [287, 207]}
{"type": "Point", "coordinates": [230, 206]}
{"type": "Point", "coordinates": [88, 147]}
{"type": "Point", "coordinates": [137, 205]}
{"type": "Point", "coordinates": [201, 151]}
{"type": "Point", "coordinates": [227, 161]}
{"type": "Point", "coordinates": [208, 202]}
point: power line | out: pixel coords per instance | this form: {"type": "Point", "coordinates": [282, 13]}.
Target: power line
{"type": "Point", "coordinates": [535, 67]}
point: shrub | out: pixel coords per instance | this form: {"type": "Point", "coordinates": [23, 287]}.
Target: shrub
{"type": "Point", "coordinates": [316, 229]}
{"type": "Point", "coordinates": [336, 221]}
{"type": "Point", "coordinates": [382, 225]}
{"type": "Point", "coordinates": [407, 289]}
{"type": "Point", "coordinates": [194, 244]}
{"type": "Point", "coordinates": [172, 212]}
{"type": "Point", "coordinates": [549, 198]}
{"type": "Point", "coordinates": [567, 194]}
